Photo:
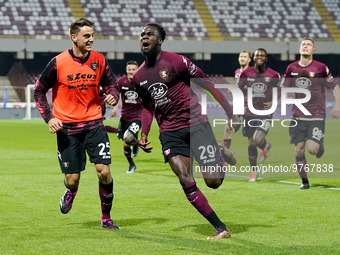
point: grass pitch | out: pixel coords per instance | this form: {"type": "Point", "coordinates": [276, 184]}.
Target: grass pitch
{"type": "Point", "coordinates": [266, 217]}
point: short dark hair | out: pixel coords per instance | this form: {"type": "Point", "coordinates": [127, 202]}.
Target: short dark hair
{"type": "Point", "coordinates": [262, 50]}
{"type": "Point", "coordinates": [132, 62]}
{"type": "Point", "coordinates": [78, 23]}
{"type": "Point", "coordinates": [160, 29]}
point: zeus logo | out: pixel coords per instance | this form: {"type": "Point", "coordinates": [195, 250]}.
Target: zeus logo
{"type": "Point", "coordinates": [238, 100]}
{"type": "Point", "coordinates": [79, 76]}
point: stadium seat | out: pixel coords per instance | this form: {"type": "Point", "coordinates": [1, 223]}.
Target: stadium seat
{"type": "Point", "coordinates": [268, 19]}
{"type": "Point", "coordinates": [34, 17]}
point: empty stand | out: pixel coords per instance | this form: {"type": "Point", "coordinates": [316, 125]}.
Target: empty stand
{"type": "Point", "coordinates": [267, 19]}
{"type": "Point", "coordinates": [333, 7]}
{"type": "Point", "coordinates": [34, 17]}
{"type": "Point", "coordinates": [127, 17]}
{"type": "Point", "coordinates": [234, 18]}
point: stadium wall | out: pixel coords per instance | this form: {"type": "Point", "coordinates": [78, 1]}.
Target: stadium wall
{"type": "Point", "coordinates": [185, 46]}
{"type": "Point", "coordinates": [214, 57]}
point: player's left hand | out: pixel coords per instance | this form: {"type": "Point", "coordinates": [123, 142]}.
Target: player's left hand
{"type": "Point", "coordinates": [335, 112]}
{"type": "Point", "coordinates": [267, 105]}
{"type": "Point", "coordinates": [110, 99]}
{"type": "Point", "coordinates": [235, 121]}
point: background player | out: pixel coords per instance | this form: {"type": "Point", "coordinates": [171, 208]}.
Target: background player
{"type": "Point", "coordinates": [244, 59]}
{"type": "Point", "coordinates": [309, 132]}
{"type": "Point", "coordinates": [259, 81]}
{"type": "Point", "coordinates": [130, 119]}
{"type": "Point", "coordinates": [163, 82]}
{"type": "Point", "coordinates": [108, 128]}
{"type": "Point", "coordinates": [75, 77]}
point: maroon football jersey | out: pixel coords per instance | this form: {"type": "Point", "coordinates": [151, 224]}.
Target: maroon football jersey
{"type": "Point", "coordinates": [261, 85]}
{"type": "Point", "coordinates": [314, 77]}
{"type": "Point", "coordinates": [166, 87]}
{"type": "Point", "coordinates": [131, 102]}
{"type": "Point", "coordinates": [238, 73]}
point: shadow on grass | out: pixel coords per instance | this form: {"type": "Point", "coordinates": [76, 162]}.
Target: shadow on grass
{"type": "Point", "coordinates": [188, 243]}
{"type": "Point", "coordinates": [324, 186]}
{"type": "Point", "coordinates": [208, 230]}
{"type": "Point", "coordinates": [126, 222]}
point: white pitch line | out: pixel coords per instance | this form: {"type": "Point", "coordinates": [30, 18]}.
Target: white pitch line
{"type": "Point", "coordinates": [287, 182]}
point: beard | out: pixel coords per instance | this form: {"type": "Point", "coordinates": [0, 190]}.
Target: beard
{"type": "Point", "coordinates": [153, 51]}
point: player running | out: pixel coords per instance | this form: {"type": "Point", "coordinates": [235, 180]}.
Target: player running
{"type": "Point", "coordinates": [244, 59]}
{"type": "Point", "coordinates": [75, 77]}
{"type": "Point", "coordinates": [258, 80]}
{"type": "Point", "coordinates": [309, 132]}
{"type": "Point", "coordinates": [130, 120]}
{"type": "Point", "coordinates": [163, 82]}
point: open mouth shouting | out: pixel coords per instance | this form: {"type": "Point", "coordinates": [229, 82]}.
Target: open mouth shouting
{"type": "Point", "coordinates": [145, 46]}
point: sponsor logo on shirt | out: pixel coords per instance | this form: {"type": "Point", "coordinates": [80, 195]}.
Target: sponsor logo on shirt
{"type": "Point", "coordinates": [164, 73]}
{"type": "Point", "coordinates": [131, 94]}
{"type": "Point", "coordinates": [259, 89]}
{"type": "Point", "coordinates": [294, 73]}
{"type": "Point", "coordinates": [250, 79]}
{"type": "Point", "coordinates": [78, 76]}
{"type": "Point", "coordinates": [143, 83]}
{"type": "Point", "coordinates": [303, 82]}
{"type": "Point", "coordinates": [157, 90]}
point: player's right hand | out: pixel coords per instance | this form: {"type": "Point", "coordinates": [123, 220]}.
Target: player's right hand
{"type": "Point", "coordinates": [55, 125]}
{"type": "Point", "coordinates": [143, 143]}
{"type": "Point", "coordinates": [113, 114]}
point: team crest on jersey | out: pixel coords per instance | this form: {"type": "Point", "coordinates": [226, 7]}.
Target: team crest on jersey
{"type": "Point", "coordinates": [166, 152]}
{"type": "Point", "coordinates": [164, 73]}
{"type": "Point", "coordinates": [311, 74]}
{"type": "Point", "coordinates": [267, 79]}
{"type": "Point", "coordinates": [94, 66]}
{"type": "Point", "coordinates": [66, 164]}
